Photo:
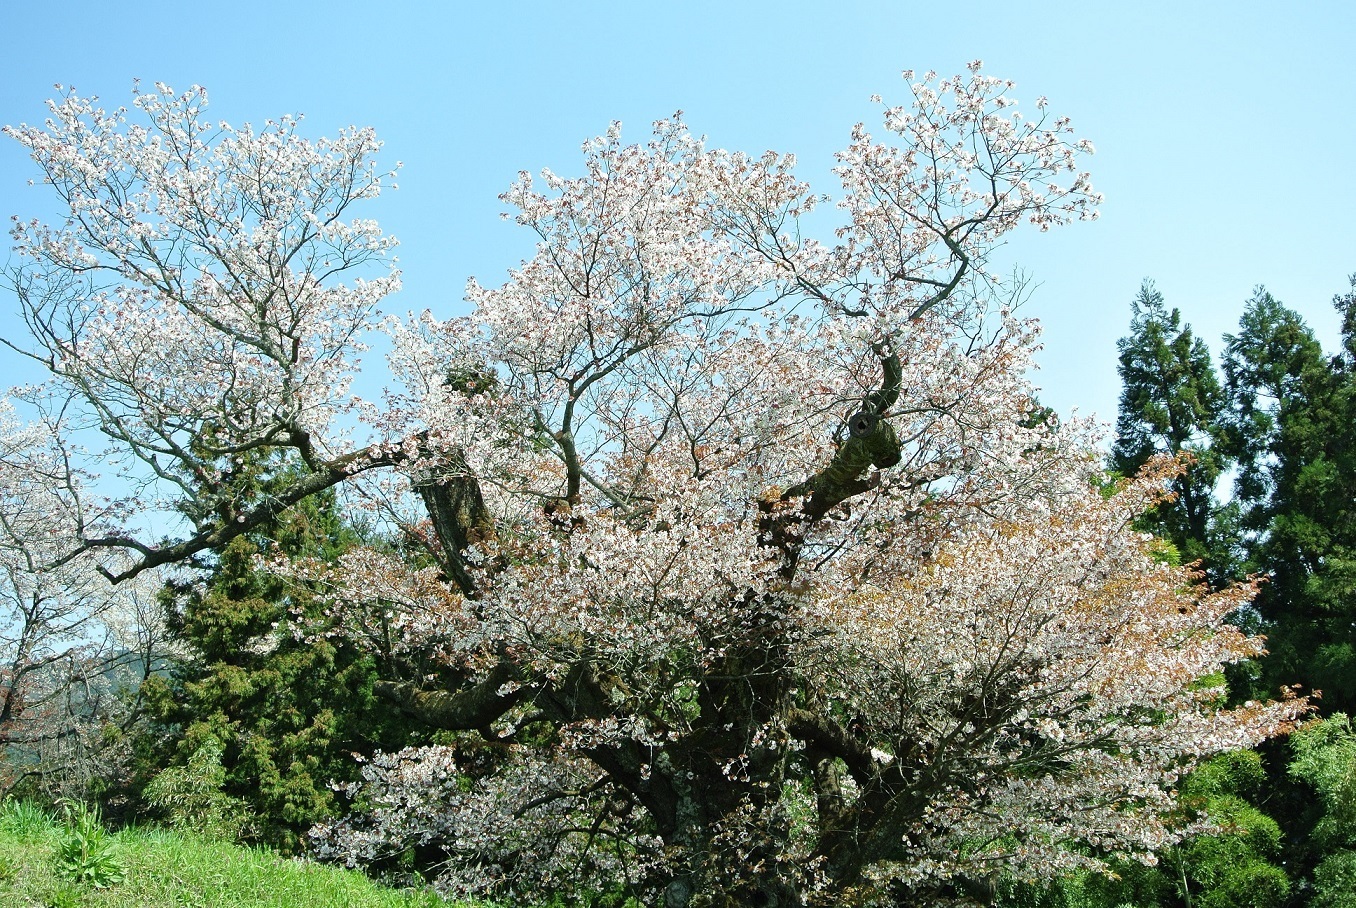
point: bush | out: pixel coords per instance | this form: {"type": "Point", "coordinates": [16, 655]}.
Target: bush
{"type": "Point", "coordinates": [1249, 884]}
{"type": "Point", "coordinates": [191, 797]}
{"type": "Point", "coordinates": [1335, 881]}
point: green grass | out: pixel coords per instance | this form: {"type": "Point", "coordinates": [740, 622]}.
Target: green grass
{"type": "Point", "coordinates": [168, 870]}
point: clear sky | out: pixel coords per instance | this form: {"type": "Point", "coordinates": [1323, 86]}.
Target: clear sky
{"type": "Point", "coordinates": [1226, 132]}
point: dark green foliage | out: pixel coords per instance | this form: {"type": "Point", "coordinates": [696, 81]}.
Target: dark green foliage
{"type": "Point", "coordinates": [1170, 402]}
{"type": "Point", "coordinates": [1325, 760]}
{"type": "Point", "coordinates": [1247, 883]}
{"type": "Point", "coordinates": [1135, 885]}
{"type": "Point", "coordinates": [1232, 868]}
{"type": "Point", "coordinates": [192, 797]}
{"type": "Point", "coordinates": [1325, 764]}
{"type": "Point", "coordinates": [284, 715]}
{"type": "Point", "coordinates": [1335, 881]}
{"type": "Point", "coordinates": [1290, 426]}
{"type": "Point", "coordinates": [1286, 418]}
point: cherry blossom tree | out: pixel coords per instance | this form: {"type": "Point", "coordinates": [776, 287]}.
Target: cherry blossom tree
{"type": "Point", "coordinates": [72, 646]}
{"type": "Point", "coordinates": [754, 573]}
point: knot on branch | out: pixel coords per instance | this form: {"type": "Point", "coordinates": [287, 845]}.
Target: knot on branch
{"type": "Point", "coordinates": [862, 423]}
{"type": "Point", "coordinates": [871, 442]}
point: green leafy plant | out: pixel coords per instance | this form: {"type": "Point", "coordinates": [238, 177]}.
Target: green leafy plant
{"type": "Point", "coordinates": [1335, 881]}
{"type": "Point", "coordinates": [1325, 760]}
{"type": "Point", "coordinates": [288, 710]}
{"type": "Point", "coordinates": [86, 852]}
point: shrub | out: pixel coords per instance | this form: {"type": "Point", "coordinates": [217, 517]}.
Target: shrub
{"type": "Point", "coordinates": [191, 796]}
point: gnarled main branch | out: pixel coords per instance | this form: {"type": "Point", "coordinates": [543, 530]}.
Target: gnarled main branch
{"type": "Point", "coordinates": [871, 442]}
{"type": "Point", "coordinates": [472, 708]}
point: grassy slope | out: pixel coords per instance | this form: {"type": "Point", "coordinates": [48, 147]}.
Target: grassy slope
{"type": "Point", "coordinates": [167, 870]}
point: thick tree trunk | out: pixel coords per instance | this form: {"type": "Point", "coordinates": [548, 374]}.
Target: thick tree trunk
{"type": "Point", "coordinates": [746, 698]}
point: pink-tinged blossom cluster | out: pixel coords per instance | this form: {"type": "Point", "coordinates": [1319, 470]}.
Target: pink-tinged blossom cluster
{"type": "Point", "coordinates": [961, 167]}
{"type": "Point", "coordinates": [513, 833]}
{"type": "Point", "coordinates": [1044, 675]}
{"type": "Point", "coordinates": [676, 355]}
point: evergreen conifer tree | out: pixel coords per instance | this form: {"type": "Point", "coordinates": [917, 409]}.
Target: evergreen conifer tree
{"type": "Point", "coordinates": [1290, 426]}
{"type": "Point", "coordinates": [1170, 402]}
{"type": "Point", "coordinates": [289, 712]}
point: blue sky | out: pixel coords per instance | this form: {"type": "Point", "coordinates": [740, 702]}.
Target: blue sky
{"type": "Point", "coordinates": [1225, 131]}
